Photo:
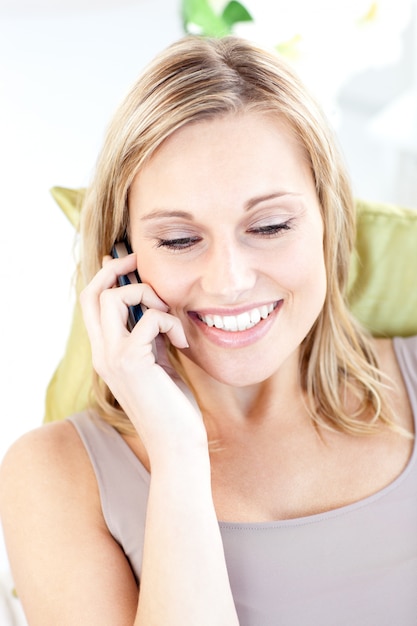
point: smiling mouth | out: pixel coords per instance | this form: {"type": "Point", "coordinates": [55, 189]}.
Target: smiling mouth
{"type": "Point", "coordinates": [238, 323]}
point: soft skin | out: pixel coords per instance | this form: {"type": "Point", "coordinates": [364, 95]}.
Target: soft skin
{"type": "Point", "coordinates": [236, 200]}
{"type": "Point", "coordinates": [202, 218]}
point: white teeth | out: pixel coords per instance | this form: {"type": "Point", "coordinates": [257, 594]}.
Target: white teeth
{"type": "Point", "coordinates": [209, 320]}
{"type": "Point", "coordinates": [244, 321]}
{"type": "Point", "coordinates": [218, 322]}
{"type": "Point", "coordinates": [264, 312]}
{"type": "Point", "coordinates": [255, 316]}
{"type": "Point", "coordinates": [230, 323]}
{"type": "Point", "coordinates": [234, 323]}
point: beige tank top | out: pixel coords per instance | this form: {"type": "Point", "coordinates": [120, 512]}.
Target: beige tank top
{"type": "Point", "coordinates": [352, 566]}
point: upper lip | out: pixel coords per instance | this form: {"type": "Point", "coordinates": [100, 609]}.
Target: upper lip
{"type": "Point", "coordinates": [225, 312]}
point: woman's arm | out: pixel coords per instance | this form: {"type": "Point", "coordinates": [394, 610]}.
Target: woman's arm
{"type": "Point", "coordinates": [67, 568]}
{"type": "Point", "coordinates": [184, 579]}
{"type": "Point", "coordinates": [184, 575]}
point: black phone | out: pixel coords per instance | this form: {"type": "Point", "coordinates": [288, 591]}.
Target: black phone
{"type": "Point", "coordinates": [121, 249]}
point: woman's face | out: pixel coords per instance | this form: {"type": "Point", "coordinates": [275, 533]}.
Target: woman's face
{"type": "Point", "coordinates": [228, 231]}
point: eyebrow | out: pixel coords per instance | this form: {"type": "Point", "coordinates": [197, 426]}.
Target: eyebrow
{"type": "Point", "coordinates": [161, 213]}
{"type": "Point", "coordinates": [158, 213]}
{"type": "Point", "coordinates": [271, 196]}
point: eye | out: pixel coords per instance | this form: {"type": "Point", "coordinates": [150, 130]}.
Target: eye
{"type": "Point", "coordinates": [271, 230]}
{"type": "Point", "coordinates": [179, 243]}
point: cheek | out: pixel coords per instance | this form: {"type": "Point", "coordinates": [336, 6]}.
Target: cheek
{"type": "Point", "coordinates": [170, 283]}
{"type": "Point", "coordinates": [301, 266]}
{"type": "Point", "coordinates": [314, 279]}
{"type": "Point", "coordinates": [305, 281]}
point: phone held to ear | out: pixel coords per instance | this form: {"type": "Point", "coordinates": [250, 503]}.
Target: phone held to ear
{"type": "Point", "coordinates": [121, 249]}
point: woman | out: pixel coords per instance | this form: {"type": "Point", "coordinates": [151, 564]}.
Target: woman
{"type": "Point", "coordinates": [248, 455]}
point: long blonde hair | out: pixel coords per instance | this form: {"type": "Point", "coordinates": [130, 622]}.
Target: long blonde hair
{"type": "Point", "coordinates": [199, 79]}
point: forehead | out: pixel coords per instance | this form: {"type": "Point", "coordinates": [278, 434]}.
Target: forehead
{"type": "Point", "coordinates": [232, 153]}
{"type": "Point", "coordinates": [237, 129]}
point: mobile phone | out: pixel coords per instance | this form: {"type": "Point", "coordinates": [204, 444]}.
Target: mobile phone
{"type": "Point", "coordinates": [121, 249]}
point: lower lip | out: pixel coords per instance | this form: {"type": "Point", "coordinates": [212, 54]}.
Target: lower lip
{"type": "Point", "coordinates": [240, 338]}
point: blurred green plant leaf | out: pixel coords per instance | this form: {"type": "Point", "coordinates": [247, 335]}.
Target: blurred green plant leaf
{"type": "Point", "coordinates": [290, 48]}
{"type": "Point", "coordinates": [234, 12]}
{"type": "Point", "coordinates": [199, 15]}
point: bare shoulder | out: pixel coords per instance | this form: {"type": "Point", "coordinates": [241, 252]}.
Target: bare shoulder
{"type": "Point", "coordinates": [53, 453]}
{"type": "Point", "coordinates": [42, 472]}
{"type": "Point", "coordinates": [56, 536]}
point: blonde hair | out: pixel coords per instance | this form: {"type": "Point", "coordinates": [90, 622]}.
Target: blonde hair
{"type": "Point", "coordinates": [199, 79]}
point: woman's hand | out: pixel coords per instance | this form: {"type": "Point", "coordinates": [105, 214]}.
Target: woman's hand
{"type": "Point", "coordinates": [159, 410]}
{"type": "Point", "coordinates": [182, 533]}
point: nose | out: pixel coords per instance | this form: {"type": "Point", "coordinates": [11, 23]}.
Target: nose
{"type": "Point", "coordinates": [228, 271]}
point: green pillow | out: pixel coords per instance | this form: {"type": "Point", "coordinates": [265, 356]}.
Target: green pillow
{"type": "Point", "coordinates": [69, 390]}
{"type": "Point", "coordinates": [382, 293]}
{"type": "Point", "coordinates": [382, 288]}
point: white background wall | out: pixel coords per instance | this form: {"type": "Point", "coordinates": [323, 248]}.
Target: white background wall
{"type": "Point", "coordinates": [63, 70]}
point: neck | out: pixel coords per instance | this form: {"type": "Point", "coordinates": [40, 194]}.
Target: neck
{"type": "Point", "coordinates": [225, 407]}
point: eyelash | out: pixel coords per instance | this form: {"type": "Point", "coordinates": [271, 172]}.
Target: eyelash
{"type": "Point", "coordinates": [271, 230]}
{"type": "Point", "coordinates": [182, 243]}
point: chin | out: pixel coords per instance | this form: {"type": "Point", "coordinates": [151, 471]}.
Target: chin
{"type": "Point", "coordinates": [234, 372]}
{"type": "Point", "coordinates": [237, 380]}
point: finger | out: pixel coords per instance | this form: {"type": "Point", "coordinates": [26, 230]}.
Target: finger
{"type": "Point", "coordinates": [114, 307]}
{"type": "Point", "coordinates": [91, 316]}
{"type": "Point", "coordinates": [137, 293]}
{"type": "Point", "coordinates": [111, 268]}
{"type": "Point", "coordinates": [157, 322]}
{"type": "Point", "coordinates": [106, 278]}
{"type": "Point", "coordinates": [113, 320]}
